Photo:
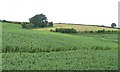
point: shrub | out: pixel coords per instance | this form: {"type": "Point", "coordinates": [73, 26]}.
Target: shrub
{"type": "Point", "coordinates": [27, 26]}
{"type": "Point", "coordinates": [100, 31]}
{"type": "Point", "coordinates": [65, 30]}
{"type": "Point", "coordinates": [23, 25]}
{"type": "Point", "coordinates": [51, 30]}
{"type": "Point", "coordinates": [91, 31]}
{"type": "Point", "coordinates": [86, 31]}
{"type": "Point", "coordinates": [30, 26]}
{"type": "Point", "coordinates": [50, 24]}
{"type": "Point", "coordinates": [108, 31]}
{"type": "Point", "coordinates": [73, 30]}
{"type": "Point", "coordinates": [4, 21]}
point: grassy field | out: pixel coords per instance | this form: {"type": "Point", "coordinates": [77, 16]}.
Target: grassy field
{"type": "Point", "coordinates": [77, 27]}
{"type": "Point", "coordinates": [43, 50]}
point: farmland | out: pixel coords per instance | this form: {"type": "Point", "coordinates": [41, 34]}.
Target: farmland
{"type": "Point", "coordinates": [76, 26]}
{"type": "Point", "coordinates": [39, 49]}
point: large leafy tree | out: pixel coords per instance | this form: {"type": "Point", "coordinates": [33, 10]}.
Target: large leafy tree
{"type": "Point", "coordinates": [39, 20]}
{"type": "Point", "coordinates": [113, 25]}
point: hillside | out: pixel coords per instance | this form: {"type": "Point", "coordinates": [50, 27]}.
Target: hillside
{"type": "Point", "coordinates": [78, 27]}
{"type": "Point", "coordinates": [44, 50]}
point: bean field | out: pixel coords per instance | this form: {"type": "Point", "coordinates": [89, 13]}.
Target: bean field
{"type": "Point", "coordinates": [28, 49]}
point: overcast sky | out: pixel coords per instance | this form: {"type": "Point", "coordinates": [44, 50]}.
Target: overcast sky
{"type": "Point", "coordinates": [96, 12]}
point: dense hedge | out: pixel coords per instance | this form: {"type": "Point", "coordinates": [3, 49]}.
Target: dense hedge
{"type": "Point", "coordinates": [27, 26]}
{"type": "Point", "coordinates": [100, 31]}
{"type": "Point", "coordinates": [65, 30]}
{"type": "Point", "coordinates": [72, 30]}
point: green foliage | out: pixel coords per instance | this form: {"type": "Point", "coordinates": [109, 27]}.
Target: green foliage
{"type": "Point", "coordinates": [63, 60]}
{"type": "Point", "coordinates": [38, 50]}
{"type": "Point", "coordinates": [27, 26]}
{"type": "Point", "coordinates": [65, 30]}
{"type": "Point", "coordinates": [51, 24]}
{"type": "Point", "coordinates": [91, 31]}
{"type": "Point", "coordinates": [4, 21]}
{"type": "Point", "coordinates": [100, 31]}
{"type": "Point", "coordinates": [24, 25]}
{"type": "Point", "coordinates": [113, 25]}
{"type": "Point", "coordinates": [39, 20]}
{"type": "Point", "coordinates": [38, 41]}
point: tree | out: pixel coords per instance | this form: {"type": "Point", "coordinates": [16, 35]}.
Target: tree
{"type": "Point", "coordinates": [4, 21]}
{"type": "Point", "coordinates": [113, 25]}
{"type": "Point", "coordinates": [39, 20]}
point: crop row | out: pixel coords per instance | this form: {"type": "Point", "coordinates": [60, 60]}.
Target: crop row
{"type": "Point", "coordinates": [39, 42]}
{"type": "Point", "coordinates": [68, 60]}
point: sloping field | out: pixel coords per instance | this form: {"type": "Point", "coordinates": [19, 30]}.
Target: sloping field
{"type": "Point", "coordinates": [77, 27]}
{"type": "Point", "coordinates": [42, 50]}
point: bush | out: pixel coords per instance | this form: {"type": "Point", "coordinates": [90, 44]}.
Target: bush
{"type": "Point", "coordinates": [24, 25]}
{"type": "Point", "coordinates": [27, 26]}
{"type": "Point", "coordinates": [65, 30]}
{"type": "Point", "coordinates": [73, 30]}
{"type": "Point", "coordinates": [51, 30]}
{"type": "Point", "coordinates": [4, 21]}
{"type": "Point", "coordinates": [91, 31]}
{"type": "Point", "coordinates": [101, 31]}
{"type": "Point", "coordinates": [108, 31]}
{"type": "Point", "coordinates": [50, 24]}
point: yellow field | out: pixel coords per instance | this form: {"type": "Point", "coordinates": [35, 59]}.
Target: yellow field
{"type": "Point", "coordinates": [77, 27]}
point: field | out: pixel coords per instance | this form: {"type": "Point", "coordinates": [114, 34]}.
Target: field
{"type": "Point", "coordinates": [39, 49]}
{"type": "Point", "coordinates": [77, 27]}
